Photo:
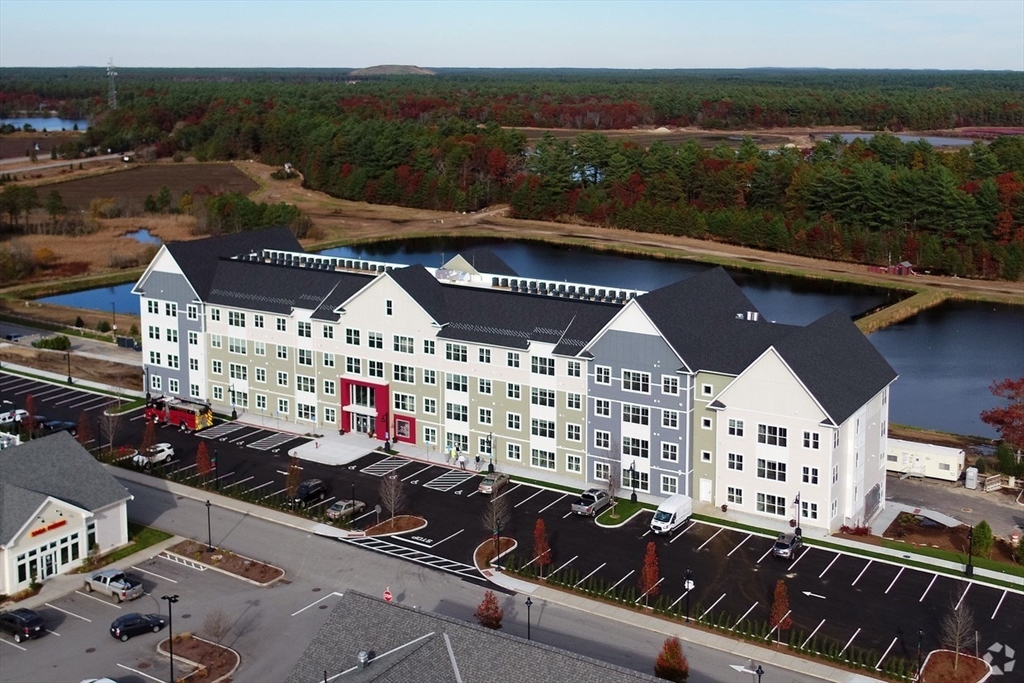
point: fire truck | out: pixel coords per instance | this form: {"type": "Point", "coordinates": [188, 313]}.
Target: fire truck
{"type": "Point", "coordinates": [187, 415]}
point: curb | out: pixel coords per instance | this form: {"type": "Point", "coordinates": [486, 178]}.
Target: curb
{"type": "Point", "coordinates": [183, 560]}
{"type": "Point", "coordinates": [197, 665]}
{"type": "Point", "coordinates": [623, 522]}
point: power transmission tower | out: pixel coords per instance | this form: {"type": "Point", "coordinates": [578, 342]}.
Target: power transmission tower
{"type": "Point", "coordinates": [111, 74]}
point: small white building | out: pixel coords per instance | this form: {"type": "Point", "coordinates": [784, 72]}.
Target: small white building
{"type": "Point", "coordinates": [56, 502]}
{"type": "Point", "coordinates": [913, 459]}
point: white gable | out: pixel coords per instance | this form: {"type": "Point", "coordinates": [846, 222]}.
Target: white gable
{"type": "Point", "coordinates": [370, 304]}
{"type": "Point", "coordinates": [770, 387]}
{"type": "Point", "coordinates": [633, 319]}
{"type": "Point", "coordinates": [163, 262]}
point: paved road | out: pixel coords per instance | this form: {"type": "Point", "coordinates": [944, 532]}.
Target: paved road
{"type": "Point", "coordinates": [22, 165]}
{"type": "Point", "coordinates": [998, 508]}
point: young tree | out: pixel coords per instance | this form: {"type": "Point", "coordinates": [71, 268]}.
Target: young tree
{"type": "Point", "coordinates": [84, 432]}
{"type": "Point", "coordinates": [541, 549]}
{"type": "Point", "coordinates": [54, 206]}
{"type": "Point", "coordinates": [981, 544]}
{"type": "Point", "coordinates": [613, 481]}
{"type": "Point", "coordinates": [649, 579]}
{"type": "Point", "coordinates": [780, 618]}
{"type": "Point", "coordinates": [149, 437]}
{"type": "Point", "coordinates": [1008, 420]}
{"type": "Point", "coordinates": [217, 624]}
{"type": "Point", "coordinates": [293, 478]}
{"type": "Point", "coordinates": [29, 421]}
{"type": "Point", "coordinates": [957, 628]}
{"type": "Point", "coordinates": [489, 612]}
{"type": "Point", "coordinates": [497, 515]}
{"type": "Point", "coordinates": [203, 464]}
{"type": "Point", "coordinates": [671, 664]}
{"type": "Point", "coordinates": [110, 427]}
{"type": "Point", "coordinates": [392, 494]}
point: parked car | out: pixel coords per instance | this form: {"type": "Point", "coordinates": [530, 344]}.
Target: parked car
{"type": "Point", "coordinates": [492, 482]}
{"type": "Point", "coordinates": [591, 502]}
{"type": "Point", "coordinates": [344, 509]}
{"type": "Point", "coordinates": [12, 416]}
{"type": "Point", "coordinates": [157, 453]}
{"type": "Point", "coordinates": [22, 624]}
{"type": "Point", "coordinates": [134, 624]}
{"type": "Point", "coordinates": [61, 426]}
{"type": "Point", "coordinates": [786, 545]}
{"type": "Point", "coordinates": [309, 491]}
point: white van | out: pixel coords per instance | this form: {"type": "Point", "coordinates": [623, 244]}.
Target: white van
{"type": "Point", "coordinates": [672, 514]}
{"type": "Point", "coordinates": [12, 416]}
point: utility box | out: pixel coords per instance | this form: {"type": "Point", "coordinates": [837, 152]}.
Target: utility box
{"type": "Point", "coordinates": [971, 478]}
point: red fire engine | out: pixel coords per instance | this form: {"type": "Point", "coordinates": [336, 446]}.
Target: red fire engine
{"type": "Point", "coordinates": [188, 415]}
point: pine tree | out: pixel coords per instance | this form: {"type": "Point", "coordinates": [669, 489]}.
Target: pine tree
{"type": "Point", "coordinates": [780, 618]}
{"type": "Point", "coordinates": [489, 612]}
{"type": "Point", "coordinates": [671, 664]}
{"type": "Point", "coordinates": [648, 583]}
{"type": "Point", "coordinates": [541, 549]}
{"type": "Point", "coordinates": [981, 545]}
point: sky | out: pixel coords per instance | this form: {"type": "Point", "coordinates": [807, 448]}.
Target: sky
{"type": "Point", "coordinates": [876, 34]}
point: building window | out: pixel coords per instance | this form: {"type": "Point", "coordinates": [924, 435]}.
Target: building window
{"type": "Point", "coordinates": [635, 414]}
{"type": "Point", "coordinates": [771, 435]}
{"type": "Point", "coordinates": [513, 391]}
{"type": "Point", "coordinates": [236, 319]}
{"type": "Point", "coordinates": [811, 440]}
{"type": "Point", "coordinates": [402, 344]}
{"type": "Point", "coordinates": [513, 421]}
{"type": "Point", "coordinates": [351, 336]}
{"type": "Point", "coordinates": [670, 385]}
{"type": "Point", "coordinates": [193, 338]}
{"type": "Point", "coordinates": [514, 451]}
{"type": "Point", "coordinates": [602, 407]}
{"type": "Point", "coordinates": [430, 406]}
{"type": "Point", "coordinates": [171, 310]}
{"type": "Point", "coordinates": [455, 352]}
{"type": "Point", "coordinates": [375, 368]}
{"type": "Point", "coordinates": [237, 346]}
{"type": "Point", "coordinates": [670, 419]}
{"type": "Point", "coordinates": [602, 375]}
{"type": "Point", "coordinates": [329, 386]}
{"type": "Point", "coordinates": [769, 469]}
{"type": "Point", "coordinates": [261, 402]}
{"type": "Point", "coordinates": [542, 366]}
{"type": "Point", "coordinates": [260, 374]}
{"type": "Point", "coordinates": [573, 401]}
{"type": "Point", "coordinates": [811, 475]}
{"type": "Point", "coordinates": [430, 377]}
{"type": "Point", "coordinates": [193, 364]}
{"type": "Point", "coordinates": [512, 359]}
{"type": "Point", "coordinates": [705, 456]}
{"type": "Point", "coordinates": [835, 473]}
{"type": "Point", "coordinates": [156, 381]}
{"type": "Point", "coordinates": [635, 448]}
{"type": "Point", "coordinates": [428, 347]}
{"type": "Point", "coordinates": [542, 397]}
{"type": "Point", "coordinates": [457, 412]}
{"type": "Point", "coordinates": [636, 382]}
{"type": "Point", "coordinates": [573, 463]}
{"type": "Point", "coordinates": [835, 508]}
{"type": "Point", "coordinates": [542, 459]}
{"type": "Point", "coordinates": [572, 368]}
{"type": "Point", "coordinates": [808, 510]}
{"type": "Point", "coordinates": [454, 382]}
{"type": "Point", "coordinates": [283, 407]}
{"type": "Point", "coordinates": [282, 352]}
{"type": "Point", "coordinates": [389, 307]}
{"type": "Point", "coordinates": [573, 432]}
{"type": "Point", "coordinates": [483, 386]}
{"type": "Point", "coordinates": [375, 340]}
{"type": "Point", "coordinates": [216, 341]}
{"type": "Point", "coordinates": [735, 427]}
{"type": "Point", "coordinates": [215, 315]}
{"type": "Point", "coordinates": [602, 471]}
{"type": "Point", "coordinates": [484, 416]}
{"type": "Point", "coordinates": [327, 331]}
{"type": "Point", "coordinates": [835, 439]}
{"type": "Point", "coordinates": [736, 461]}
{"type": "Point", "coordinates": [153, 307]}
{"type": "Point", "coordinates": [172, 334]}
{"type": "Point", "coordinates": [773, 505]}
{"type": "Point", "coordinates": [259, 348]}
{"type": "Point", "coordinates": [670, 451]}
{"type": "Point", "coordinates": [404, 373]}
{"type": "Point", "coordinates": [217, 367]}
{"type": "Point", "coordinates": [734, 495]}
{"type": "Point", "coordinates": [330, 415]}
{"type": "Point", "coordinates": [282, 325]}
{"type": "Point", "coordinates": [282, 379]}
{"type": "Point", "coordinates": [484, 445]}
{"type": "Point", "coordinates": [218, 393]}
{"type": "Point", "coordinates": [257, 320]}
{"type": "Point", "coordinates": [405, 402]}
{"type": "Point", "coordinates": [602, 439]}
{"type": "Point", "coordinates": [306, 357]}
{"type": "Point", "coordinates": [542, 428]}
{"type": "Point", "coordinates": [192, 312]}
{"type": "Point", "coordinates": [305, 412]}
{"type": "Point", "coordinates": [193, 390]}
{"type": "Point", "coordinates": [154, 358]}
{"type": "Point", "coordinates": [303, 383]}
{"type": "Point", "coordinates": [669, 485]}
{"type": "Point", "coordinates": [353, 366]}
{"type": "Point", "coordinates": [172, 361]}
{"type": "Point", "coordinates": [635, 479]}
{"type": "Point", "coordinates": [430, 435]}
{"type": "Point", "coordinates": [236, 371]}
{"type": "Point", "coordinates": [154, 332]}
{"type": "Point", "coordinates": [328, 359]}
{"type": "Point", "coordinates": [706, 423]}
{"type": "Point", "coordinates": [484, 355]}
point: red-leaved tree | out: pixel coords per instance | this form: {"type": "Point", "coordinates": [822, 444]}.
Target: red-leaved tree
{"type": "Point", "coordinates": [780, 618]}
{"type": "Point", "coordinates": [149, 436]}
{"type": "Point", "coordinates": [541, 549]}
{"type": "Point", "coordinates": [671, 664]}
{"type": "Point", "coordinates": [203, 464]}
{"type": "Point", "coordinates": [1008, 420]}
{"type": "Point", "coordinates": [649, 578]}
{"type": "Point", "coordinates": [84, 431]}
{"type": "Point", "coordinates": [489, 612]}
{"type": "Point", "coordinates": [29, 421]}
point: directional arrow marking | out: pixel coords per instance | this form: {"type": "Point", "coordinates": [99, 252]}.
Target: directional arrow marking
{"type": "Point", "coordinates": [742, 669]}
{"type": "Point", "coordinates": [813, 595]}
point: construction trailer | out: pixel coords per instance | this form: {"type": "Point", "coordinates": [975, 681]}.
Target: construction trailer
{"type": "Point", "coordinates": [913, 459]}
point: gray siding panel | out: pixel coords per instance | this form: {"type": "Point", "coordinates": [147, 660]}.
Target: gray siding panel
{"type": "Point", "coordinates": [175, 288]}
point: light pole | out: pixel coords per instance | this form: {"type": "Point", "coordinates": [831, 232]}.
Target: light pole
{"type": "Point", "coordinates": [145, 375]}
{"type": "Point", "coordinates": [209, 530]}
{"type": "Point", "coordinates": [632, 481]}
{"type": "Point", "coordinates": [969, 569]}
{"type": "Point", "coordinates": [234, 412]}
{"type": "Point", "coordinates": [920, 637]}
{"type": "Point", "coordinates": [353, 492]}
{"type": "Point", "coordinates": [113, 312]}
{"type": "Point", "coordinates": [688, 585]}
{"type": "Point", "coordinates": [68, 357]}
{"type": "Point", "coordinates": [760, 672]}
{"type": "Point", "coordinates": [171, 599]}
{"type": "Point", "coordinates": [490, 452]}
{"type": "Point", "coordinates": [216, 471]}
{"type": "Point", "coordinates": [529, 603]}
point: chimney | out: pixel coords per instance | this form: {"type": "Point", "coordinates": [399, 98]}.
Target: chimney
{"type": "Point", "coordinates": [364, 659]}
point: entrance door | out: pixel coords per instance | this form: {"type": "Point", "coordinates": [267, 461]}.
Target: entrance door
{"type": "Point", "coordinates": [705, 490]}
{"type": "Point", "coordinates": [362, 423]}
{"type": "Point", "coordinates": [49, 565]}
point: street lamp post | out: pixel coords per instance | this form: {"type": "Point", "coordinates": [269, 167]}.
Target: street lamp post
{"type": "Point", "coordinates": [920, 637]}
{"type": "Point", "coordinates": [234, 412]}
{"type": "Point", "coordinates": [171, 599]}
{"type": "Point", "coordinates": [632, 481]}
{"type": "Point", "coordinates": [688, 586]}
{"type": "Point", "coordinates": [68, 357]}
{"type": "Point", "coordinates": [490, 452]}
{"type": "Point", "coordinates": [529, 603]}
{"type": "Point", "coordinates": [353, 492]}
{"type": "Point", "coordinates": [760, 672]}
{"type": "Point", "coordinates": [145, 375]}
{"type": "Point", "coordinates": [209, 530]}
{"type": "Point", "coordinates": [969, 569]}
{"type": "Point", "coordinates": [113, 312]}
{"type": "Point", "coordinates": [216, 471]}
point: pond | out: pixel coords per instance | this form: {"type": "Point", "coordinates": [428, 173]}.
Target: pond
{"type": "Point", "coordinates": [933, 140]}
{"type": "Point", "coordinates": [41, 123]}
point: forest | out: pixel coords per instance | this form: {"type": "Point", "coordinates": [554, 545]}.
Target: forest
{"type": "Point", "coordinates": [449, 142]}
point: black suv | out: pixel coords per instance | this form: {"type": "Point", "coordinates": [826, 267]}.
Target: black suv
{"type": "Point", "coordinates": [786, 545]}
{"type": "Point", "coordinates": [134, 624]}
{"type": "Point", "coordinates": [22, 624]}
{"type": "Point", "coordinates": [309, 491]}
{"type": "Point", "coordinates": [61, 426]}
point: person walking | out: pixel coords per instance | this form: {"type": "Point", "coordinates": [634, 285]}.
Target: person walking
{"type": "Point", "coordinates": [477, 462]}
{"type": "Point", "coordinates": [462, 461]}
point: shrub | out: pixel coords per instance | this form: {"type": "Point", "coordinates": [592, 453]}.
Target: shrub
{"type": "Point", "coordinates": [103, 326]}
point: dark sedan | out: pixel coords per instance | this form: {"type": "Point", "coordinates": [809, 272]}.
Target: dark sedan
{"type": "Point", "coordinates": [61, 426]}
{"type": "Point", "coordinates": [128, 625]}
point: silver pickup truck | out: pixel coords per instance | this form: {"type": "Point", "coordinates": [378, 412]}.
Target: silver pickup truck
{"type": "Point", "coordinates": [591, 502]}
{"type": "Point", "coordinates": [115, 583]}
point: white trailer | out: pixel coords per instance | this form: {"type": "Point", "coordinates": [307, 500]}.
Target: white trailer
{"type": "Point", "coordinates": [913, 459]}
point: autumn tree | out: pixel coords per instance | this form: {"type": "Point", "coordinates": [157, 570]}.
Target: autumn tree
{"type": "Point", "coordinates": [957, 628]}
{"type": "Point", "coordinates": [84, 432]}
{"type": "Point", "coordinates": [293, 478]}
{"type": "Point", "coordinates": [392, 494]}
{"type": "Point", "coordinates": [780, 618]}
{"type": "Point", "coordinates": [203, 463]}
{"type": "Point", "coordinates": [649, 579]}
{"type": "Point", "coordinates": [149, 437]}
{"type": "Point", "coordinates": [489, 612]}
{"type": "Point", "coordinates": [28, 422]}
{"type": "Point", "coordinates": [1009, 419]}
{"type": "Point", "coordinates": [671, 664]}
{"type": "Point", "coordinates": [541, 549]}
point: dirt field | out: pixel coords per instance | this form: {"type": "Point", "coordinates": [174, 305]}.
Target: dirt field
{"type": "Point", "coordinates": [92, 369]}
{"type": "Point", "coordinates": [20, 144]}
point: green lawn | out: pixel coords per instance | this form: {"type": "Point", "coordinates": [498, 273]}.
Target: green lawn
{"type": "Point", "coordinates": [623, 509]}
{"type": "Point", "coordinates": [141, 537]}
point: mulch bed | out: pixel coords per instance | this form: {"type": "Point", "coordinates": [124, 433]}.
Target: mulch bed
{"type": "Point", "coordinates": [226, 560]}
{"type": "Point", "coordinates": [214, 660]}
{"type": "Point", "coordinates": [909, 529]}
{"type": "Point", "coordinates": [397, 525]}
{"type": "Point", "coordinates": [487, 551]}
{"type": "Point", "coordinates": [939, 668]}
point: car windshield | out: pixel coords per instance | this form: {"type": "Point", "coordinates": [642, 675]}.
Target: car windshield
{"type": "Point", "coordinates": [662, 516]}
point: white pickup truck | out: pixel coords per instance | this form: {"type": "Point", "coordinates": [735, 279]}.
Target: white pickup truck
{"type": "Point", "coordinates": [115, 583]}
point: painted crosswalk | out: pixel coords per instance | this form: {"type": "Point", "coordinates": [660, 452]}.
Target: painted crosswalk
{"type": "Point", "coordinates": [385, 466]}
{"type": "Point", "coordinates": [223, 429]}
{"type": "Point", "coordinates": [270, 442]}
{"type": "Point", "coordinates": [379, 545]}
{"type": "Point", "coordinates": [449, 480]}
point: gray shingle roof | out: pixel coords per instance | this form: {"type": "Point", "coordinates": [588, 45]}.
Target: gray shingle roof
{"type": "Point", "coordinates": [412, 645]}
{"type": "Point", "coordinates": [483, 260]}
{"type": "Point", "coordinates": [279, 288]}
{"type": "Point", "coordinates": [55, 465]}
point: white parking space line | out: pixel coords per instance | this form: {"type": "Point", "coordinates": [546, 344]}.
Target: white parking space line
{"type": "Point", "coordinates": [77, 396]}
{"type": "Point", "coordinates": [806, 550]}
{"type": "Point", "coordinates": [448, 538]}
{"type": "Point", "coordinates": [93, 597]}
{"type": "Point", "coordinates": [564, 566]}
{"type": "Point", "coordinates": [830, 567]}
{"type": "Point", "coordinates": [53, 632]}
{"type": "Point", "coordinates": [96, 402]}
{"type": "Point", "coordinates": [146, 571]}
{"type": "Point", "coordinates": [473, 493]}
{"type": "Point", "coordinates": [14, 645]}
{"type": "Point", "coordinates": [136, 671]}
{"type": "Point", "coordinates": [1003, 597]}
{"type": "Point", "coordinates": [16, 384]}
{"type": "Point", "coordinates": [861, 573]}
{"type": "Point", "coordinates": [812, 634]}
{"type": "Point", "coordinates": [720, 530]}
{"type": "Point", "coordinates": [505, 493]}
{"type": "Point", "coordinates": [878, 667]}
{"type": "Point", "coordinates": [241, 481]}
{"type": "Point", "coordinates": [274, 493]}
{"type": "Point", "coordinates": [928, 588]}
{"type": "Point", "coordinates": [317, 602]}
{"type": "Point", "coordinates": [364, 515]}
{"type": "Point", "coordinates": [245, 436]}
{"type": "Point", "coordinates": [631, 572]}
{"type": "Point", "coordinates": [77, 616]}
{"type": "Point", "coordinates": [255, 488]}
{"type": "Point", "coordinates": [894, 580]}
{"type": "Point", "coordinates": [567, 514]}
{"type": "Point", "coordinates": [553, 502]}
{"type": "Point", "coordinates": [848, 642]}
{"type": "Point", "coordinates": [708, 610]}
{"type": "Point", "coordinates": [782, 620]}
{"type": "Point", "coordinates": [637, 601]}
{"type": "Point", "coordinates": [44, 392]}
{"type": "Point", "coordinates": [678, 599]}
{"type": "Point", "coordinates": [417, 472]}
{"type": "Point", "coordinates": [962, 596]}
{"type": "Point", "coordinates": [603, 564]}
{"type": "Point", "coordinates": [539, 491]}
{"type": "Point", "coordinates": [738, 545]}
{"type": "Point", "coordinates": [322, 502]}
{"type": "Point", "coordinates": [738, 621]}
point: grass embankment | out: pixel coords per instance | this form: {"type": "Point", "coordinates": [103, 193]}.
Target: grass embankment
{"type": "Point", "coordinates": [141, 537]}
{"type": "Point", "coordinates": [901, 310]}
{"type": "Point", "coordinates": [621, 511]}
